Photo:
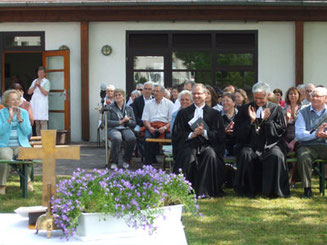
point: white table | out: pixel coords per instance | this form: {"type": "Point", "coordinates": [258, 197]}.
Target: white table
{"type": "Point", "coordinates": [14, 230]}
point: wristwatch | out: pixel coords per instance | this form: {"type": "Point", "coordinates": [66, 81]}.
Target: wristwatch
{"type": "Point", "coordinates": [165, 127]}
{"type": "Point", "coordinates": [20, 121]}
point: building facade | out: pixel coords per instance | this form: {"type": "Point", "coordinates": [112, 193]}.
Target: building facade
{"type": "Point", "coordinates": [214, 42]}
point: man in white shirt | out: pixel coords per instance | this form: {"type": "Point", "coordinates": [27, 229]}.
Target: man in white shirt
{"type": "Point", "coordinates": [156, 118]}
{"type": "Point", "coordinates": [40, 100]}
{"type": "Point", "coordinates": [310, 130]}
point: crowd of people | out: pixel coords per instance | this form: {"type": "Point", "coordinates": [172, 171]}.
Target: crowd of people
{"type": "Point", "coordinates": [207, 124]}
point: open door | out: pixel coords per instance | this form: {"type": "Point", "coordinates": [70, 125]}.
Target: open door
{"type": "Point", "coordinates": [57, 68]}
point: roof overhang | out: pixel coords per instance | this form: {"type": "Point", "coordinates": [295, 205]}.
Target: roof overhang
{"type": "Point", "coordinates": [162, 11]}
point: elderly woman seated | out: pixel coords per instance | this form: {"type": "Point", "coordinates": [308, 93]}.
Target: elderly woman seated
{"type": "Point", "coordinates": [121, 121]}
{"type": "Point", "coordinates": [14, 130]}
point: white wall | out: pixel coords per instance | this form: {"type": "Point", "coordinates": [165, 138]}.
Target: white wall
{"type": "Point", "coordinates": [57, 34]}
{"type": "Point", "coordinates": [315, 53]}
{"type": "Point", "coordinates": [276, 52]}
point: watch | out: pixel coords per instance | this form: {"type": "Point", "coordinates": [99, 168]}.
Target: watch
{"type": "Point", "coordinates": [20, 121]}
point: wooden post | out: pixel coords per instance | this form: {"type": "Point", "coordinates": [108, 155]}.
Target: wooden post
{"type": "Point", "coordinates": [48, 153]}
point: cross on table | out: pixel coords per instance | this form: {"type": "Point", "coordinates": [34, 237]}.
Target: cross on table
{"type": "Point", "coordinates": [48, 153]}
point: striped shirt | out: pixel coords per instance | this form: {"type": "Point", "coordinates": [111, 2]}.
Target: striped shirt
{"type": "Point", "coordinates": [13, 139]}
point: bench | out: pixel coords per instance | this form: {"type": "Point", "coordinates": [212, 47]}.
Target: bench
{"type": "Point", "coordinates": [21, 166]}
{"type": "Point", "coordinates": [167, 151]}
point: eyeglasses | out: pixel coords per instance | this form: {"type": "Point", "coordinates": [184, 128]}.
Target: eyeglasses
{"type": "Point", "coordinates": [317, 96]}
{"type": "Point", "coordinates": [139, 89]}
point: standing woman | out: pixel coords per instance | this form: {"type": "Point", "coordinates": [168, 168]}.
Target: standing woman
{"type": "Point", "coordinates": [241, 98]}
{"type": "Point", "coordinates": [121, 121]}
{"type": "Point", "coordinates": [14, 130]}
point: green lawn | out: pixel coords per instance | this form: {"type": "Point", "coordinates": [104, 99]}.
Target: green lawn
{"type": "Point", "coordinates": [232, 220]}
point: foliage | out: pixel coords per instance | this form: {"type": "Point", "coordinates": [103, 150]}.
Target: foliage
{"type": "Point", "coordinates": [121, 193]}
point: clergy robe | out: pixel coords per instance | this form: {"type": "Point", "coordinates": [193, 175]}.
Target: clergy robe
{"type": "Point", "coordinates": [200, 159]}
{"type": "Point", "coordinates": [261, 157]}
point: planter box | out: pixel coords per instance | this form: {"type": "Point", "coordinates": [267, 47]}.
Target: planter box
{"type": "Point", "coordinates": [92, 226]}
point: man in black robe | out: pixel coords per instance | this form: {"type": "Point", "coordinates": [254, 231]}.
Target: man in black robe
{"type": "Point", "coordinates": [259, 127]}
{"type": "Point", "coordinates": [199, 151]}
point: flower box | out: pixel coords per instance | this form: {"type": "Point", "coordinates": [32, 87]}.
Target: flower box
{"type": "Point", "coordinates": [96, 226]}
{"type": "Point", "coordinates": [131, 202]}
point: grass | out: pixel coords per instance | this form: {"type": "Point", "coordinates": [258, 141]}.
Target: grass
{"type": "Point", "coordinates": [231, 220]}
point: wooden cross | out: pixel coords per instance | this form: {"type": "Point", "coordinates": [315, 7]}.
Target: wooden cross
{"type": "Point", "coordinates": [48, 153]}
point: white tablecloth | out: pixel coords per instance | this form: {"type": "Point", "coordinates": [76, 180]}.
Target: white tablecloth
{"type": "Point", "coordinates": [14, 230]}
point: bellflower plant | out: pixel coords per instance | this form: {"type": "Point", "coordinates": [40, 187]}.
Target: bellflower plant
{"type": "Point", "coordinates": [132, 195]}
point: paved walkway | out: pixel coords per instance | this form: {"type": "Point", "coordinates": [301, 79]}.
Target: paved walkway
{"type": "Point", "coordinates": [92, 157]}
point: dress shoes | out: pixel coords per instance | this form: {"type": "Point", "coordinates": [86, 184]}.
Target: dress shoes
{"type": "Point", "coordinates": [307, 193]}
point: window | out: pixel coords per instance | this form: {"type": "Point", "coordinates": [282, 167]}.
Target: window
{"type": "Point", "coordinates": [33, 41]}
{"type": "Point", "coordinates": [217, 58]}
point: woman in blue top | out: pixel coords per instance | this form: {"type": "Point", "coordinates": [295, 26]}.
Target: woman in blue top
{"type": "Point", "coordinates": [14, 130]}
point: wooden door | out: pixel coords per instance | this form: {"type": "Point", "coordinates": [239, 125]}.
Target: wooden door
{"type": "Point", "coordinates": [56, 63]}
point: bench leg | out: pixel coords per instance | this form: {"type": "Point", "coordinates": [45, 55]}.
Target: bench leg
{"type": "Point", "coordinates": [322, 178]}
{"type": "Point", "coordinates": [24, 180]}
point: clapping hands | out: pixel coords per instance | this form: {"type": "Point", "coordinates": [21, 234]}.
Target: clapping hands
{"type": "Point", "coordinates": [321, 131]}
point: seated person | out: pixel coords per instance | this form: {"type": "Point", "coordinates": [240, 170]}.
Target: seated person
{"type": "Point", "coordinates": [156, 118]}
{"type": "Point", "coordinates": [228, 114]}
{"type": "Point", "coordinates": [109, 95]}
{"type": "Point", "coordinates": [121, 121]}
{"type": "Point", "coordinates": [312, 145]}
{"type": "Point", "coordinates": [199, 149]}
{"type": "Point", "coordinates": [259, 129]}
{"type": "Point", "coordinates": [138, 107]}
{"type": "Point", "coordinates": [185, 98]}
{"type": "Point", "coordinates": [14, 130]}
{"type": "Point", "coordinates": [292, 107]}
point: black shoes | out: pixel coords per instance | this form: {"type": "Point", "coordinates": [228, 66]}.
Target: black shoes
{"type": "Point", "coordinates": [307, 193]}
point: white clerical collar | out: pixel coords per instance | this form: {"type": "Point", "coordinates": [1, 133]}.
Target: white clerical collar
{"type": "Point", "coordinates": [198, 112]}
{"type": "Point", "coordinates": [200, 107]}
{"type": "Point", "coordinates": [260, 112]}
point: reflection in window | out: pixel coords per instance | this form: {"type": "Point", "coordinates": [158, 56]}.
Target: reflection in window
{"type": "Point", "coordinates": [148, 62]}
{"type": "Point", "coordinates": [245, 59]}
{"type": "Point", "coordinates": [243, 80]}
{"type": "Point", "coordinates": [19, 41]}
{"type": "Point", "coordinates": [181, 77]}
{"type": "Point", "coordinates": [142, 77]}
{"type": "Point", "coordinates": [191, 60]}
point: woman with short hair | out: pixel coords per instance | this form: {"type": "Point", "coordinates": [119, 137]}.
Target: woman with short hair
{"type": "Point", "coordinates": [121, 121]}
{"type": "Point", "coordinates": [14, 130]}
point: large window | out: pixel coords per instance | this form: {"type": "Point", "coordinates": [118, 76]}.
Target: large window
{"type": "Point", "coordinates": [217, 58]}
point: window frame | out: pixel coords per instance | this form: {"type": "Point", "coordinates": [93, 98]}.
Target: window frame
{"type": "Point", "coordinates": [167, 52]}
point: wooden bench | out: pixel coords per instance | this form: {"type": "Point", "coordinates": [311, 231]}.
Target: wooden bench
{"type": "Point", "coordinates": [167, 151]}
{"type": "Point", "coordinates": [21, 166]}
